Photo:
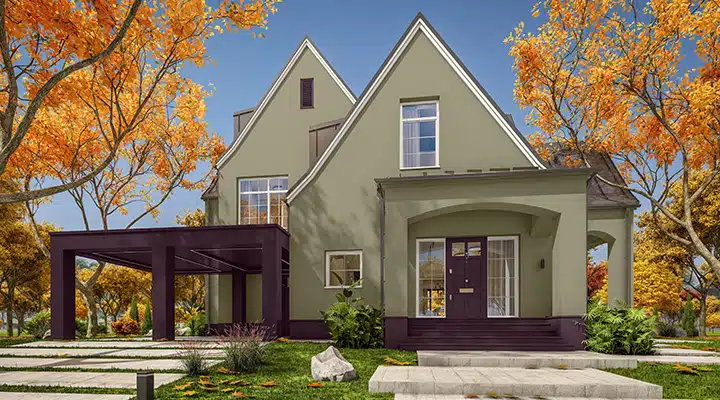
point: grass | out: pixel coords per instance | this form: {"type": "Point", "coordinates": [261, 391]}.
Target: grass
{"type": "Point", "coordinates": [288, 365]}
{"type": "Point", "coordinates": [55, 389]}
{"type": "Point", "coordinates": [11, 341]}
{"type": "Point", "coordinates": [675, 385]}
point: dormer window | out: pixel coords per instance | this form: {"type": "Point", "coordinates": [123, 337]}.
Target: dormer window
{"type": "Point", "coordinates": [419, 135]}
{"type": "Point", "coordinates": [307, 93]}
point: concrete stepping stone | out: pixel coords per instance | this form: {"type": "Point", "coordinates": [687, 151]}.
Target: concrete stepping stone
{"type": "Point", "coordinates": [680, 341]}
{"type": "Point", "coordinates": [459, 397]}
{"type": "Point", "coordinates": [547, 382]}
{"type": "Point", "coordinates": [691, 360]}
{"type": "Point", "coordinates": [672, 351]}
{"type": "Point", "coordinates": [108, 380]}
{"type": "Point", "coordinates": [73, 352]}
{"type": "Point", "coordinates": [94, 363]}
{"type": "Point", "coordinates": [61, 396]}
{"type": "Point", "coordinates": [125, 344]}
{"type": "Point", "coordinates": [523, 359]}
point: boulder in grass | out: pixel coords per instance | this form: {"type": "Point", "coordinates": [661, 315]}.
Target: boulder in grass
{"type": "Point", "coordinates": [330, 365]}
{"type": "Point", "coordinates": [183, 331]}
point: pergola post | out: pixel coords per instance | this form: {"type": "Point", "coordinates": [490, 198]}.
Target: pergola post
{"type": "Point", "coordinates": [272, 283]}
{"type": "Point", "coordinates": [62, 293]}
{"type": "Point", "coordinates": [238, 297]}
{"type": "Point", "coordinates": [163, 292]}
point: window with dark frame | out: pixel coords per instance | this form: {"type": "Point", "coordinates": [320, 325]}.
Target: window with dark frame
{"type": "Point", "coordinates": [307, 95]}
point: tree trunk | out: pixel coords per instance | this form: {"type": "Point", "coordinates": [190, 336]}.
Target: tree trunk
{"type": "Point", "coordinates": [10, 300]}
{"type": "Point", "coordinates": [92, 317]}
{"type": "Point", "coordinates": [703, 315]}
{"type": "Point", "coordinates": [21, 323]}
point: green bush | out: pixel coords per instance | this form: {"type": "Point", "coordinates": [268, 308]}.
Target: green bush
{"type": "Point", "coordinates": [689, 318]}
{"type": "Point", "coordinates": [666, 329]}
{"type": "Point", "coordinates": [81, 326]}
{"type": "Point", "coordinates": [147, 321]}
{"type": "Point", "coordinates": [352, 324]}
{"type": "Point", "coordinates": [197, 323]}
{"type": "Point", "coordinates": [620, 330]}
{"type": "Point", "coordinates": [134, 315]}
{"type": "Point", "coordinates": [38, 324]}
{"type": "Point", "coordinates": [102, 328]}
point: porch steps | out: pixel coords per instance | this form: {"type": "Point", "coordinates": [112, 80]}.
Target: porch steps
{"type": "Point", "coordinates": [507, 382]}
{"type": "Point", "coordinates": [488, 334]}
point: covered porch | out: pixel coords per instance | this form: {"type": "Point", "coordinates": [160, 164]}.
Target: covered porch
{"type": "Point", "coordinates": [235, 250]}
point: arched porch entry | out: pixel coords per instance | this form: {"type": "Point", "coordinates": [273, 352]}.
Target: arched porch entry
{"type": "Point", "coordinates": [614, 227]}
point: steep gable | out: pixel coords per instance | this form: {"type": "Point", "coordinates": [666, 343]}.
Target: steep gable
{"type": "Point", "coordinates": [429, 67]}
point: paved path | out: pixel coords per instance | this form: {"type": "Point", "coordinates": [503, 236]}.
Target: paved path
{"type": "Point", "coordinates": [672, 351]}
{"type": "Point", "coordinates": [515, 381]}
{"type": "Point", "coordinates": [110, 380]}
{"type": "Point", "coordinates": [72, 352]}
{"type": "Point", "coordinates": [94, 363]}
{"type": "Point", "coordinates": [692, 360]}
{"type": "Point", "coordinates": [680, 341]}
{"type": "Point", "coordinates": [523, 359]}
{"type": "Point", "coordinates": [125, 344]}
{"type": "Point", "coordinates": [460, 397]}
{"type": "Point", "coordinates": [60, 396]}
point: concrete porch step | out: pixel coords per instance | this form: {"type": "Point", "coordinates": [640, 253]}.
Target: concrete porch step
{"type": "Point", "coordinates": [546, 382]}
{"type": "Point", "coordinates": [459, 397]}
{"type": "Point", "coordinates": [523, 359]}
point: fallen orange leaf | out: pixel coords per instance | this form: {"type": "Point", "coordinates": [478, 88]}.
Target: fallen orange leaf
{"type": "Point", "coordinates": [268, 384]}
{"type": "Point", "coordinates": [315, 385]}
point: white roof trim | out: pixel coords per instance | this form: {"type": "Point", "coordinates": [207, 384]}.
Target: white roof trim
{"type": "Point", "coordinates": [306, 44]}
{"type": "Point", "coordinates": [421, 26]}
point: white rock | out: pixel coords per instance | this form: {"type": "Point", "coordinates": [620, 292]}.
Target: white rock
{"type": "Point", "coordinates": [149, 333]}
{"type": "Point", "coordinates": [182, 331]}
{"type": "Point", "coordinates": [330, 365]}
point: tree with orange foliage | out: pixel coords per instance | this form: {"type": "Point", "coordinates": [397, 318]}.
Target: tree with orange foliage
{"type": "Point", "coordinates": [606, 76]}
{"type": "Point", "coordinates": [80, 81]}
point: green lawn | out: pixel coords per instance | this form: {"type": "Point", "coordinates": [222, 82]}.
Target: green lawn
{"type": "Point", "coordinates": [288, 365]}
{"type": "Point", "coordinates": [675, 385]}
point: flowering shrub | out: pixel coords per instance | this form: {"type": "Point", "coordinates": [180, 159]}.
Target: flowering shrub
{"type": "Point", "coordinates": [193, 358]}
{"type": "Point", "coordinates": [125, 326]}
{"type": "Point", "coordinates": [244, 346]}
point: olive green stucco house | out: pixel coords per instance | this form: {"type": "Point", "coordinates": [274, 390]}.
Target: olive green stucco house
{"type": "Point", "coordinates": [423, 189]}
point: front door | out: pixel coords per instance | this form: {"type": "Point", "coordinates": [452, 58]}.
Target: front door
{"type": "Point", "coordinates": [466, 277]}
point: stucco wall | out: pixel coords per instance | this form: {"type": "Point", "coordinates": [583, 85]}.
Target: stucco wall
{"type": "Point", "coordinates": [535, 283]}
{"type": "Point", "coordinates": [615, 227]}
{"type": "Point", "coordinates": [254, 298]}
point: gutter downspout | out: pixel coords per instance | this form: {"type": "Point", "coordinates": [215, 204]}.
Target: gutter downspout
{"type": "Point", "coordinates": [381, 197]}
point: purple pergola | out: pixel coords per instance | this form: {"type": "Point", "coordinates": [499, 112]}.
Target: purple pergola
{"type": "Point", "coordinates": [235, 250]}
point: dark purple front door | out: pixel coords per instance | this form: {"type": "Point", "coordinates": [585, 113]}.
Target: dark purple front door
{"type": "Point", "coordinates": [466, 277]}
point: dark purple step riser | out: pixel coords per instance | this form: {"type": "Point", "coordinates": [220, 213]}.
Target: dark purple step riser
{"type": "Point", "coordinates": [481, 330]}
{"type": "Point", "coordinates": [482, 327]}
{"type": "Point", "coordinates": [488, 339]}
{"type": "Point", "coordinates": [487, 348]}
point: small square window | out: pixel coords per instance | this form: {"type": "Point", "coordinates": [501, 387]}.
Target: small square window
{"type": "Point", "coordinates": [342, 268]}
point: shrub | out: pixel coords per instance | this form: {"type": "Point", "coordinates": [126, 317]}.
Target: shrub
{"type": "Point", "coordinates": [125, 326]}
{"type": "Point", "coordinates": [352, 324]}
{"type": "Point", "coordinates": [193, 358]}
{"type": "Point", "coordinates": [244, 346]}
{"type": "Point", "coordinates": [147, 321]}
{"type": "Point", "coordinates": [81, 325]}
{"type": "Point", "coordinates": [197, 323]}
{"type": "Point", "coordinates": [102, 328]}
{"type": "Point", "coordinates": [689, 318]}
{"type": "Point", "coordinates": [134, 315]}
{"type": "Point", "coordinates": [38, 324]}
{"type": "Point", "coordinates": [620, 330]}
{"type": "Point", "coordinates": [666, 329]}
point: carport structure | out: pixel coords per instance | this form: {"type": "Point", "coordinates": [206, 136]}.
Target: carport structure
{"type": "Point", "coordinates": [236, 250]}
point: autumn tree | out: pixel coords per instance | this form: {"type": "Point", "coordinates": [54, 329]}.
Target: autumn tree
{"type": "Point", "coordinates": [81, 80]}
{"type": "Point", "coordinates": [190, 289]}
{"type": "Point", "coordinates": [596, 278]}
{"type": "Point", "coordinates": [118, 286]}
{"type": "Point", "coordinates": [638, 82]}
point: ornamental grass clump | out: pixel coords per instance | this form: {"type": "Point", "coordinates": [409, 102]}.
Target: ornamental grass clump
{"type": "Point", "coordinates": [193, 356]}
{"type": "Point", "coordinates": [244, 346]}
{"type": "Point", "coordinates": [620, 330]}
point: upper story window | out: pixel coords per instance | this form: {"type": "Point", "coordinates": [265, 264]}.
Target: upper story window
{"type": "Point", "coordinates": [261, 201]}
{"type": "Point", "coordinates": [419, 135]}
{"type": "Point", "coordinates": [307, 93]}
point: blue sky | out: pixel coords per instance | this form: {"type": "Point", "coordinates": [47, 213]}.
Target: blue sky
{"type": "Point", "coordinates": [355, 36]}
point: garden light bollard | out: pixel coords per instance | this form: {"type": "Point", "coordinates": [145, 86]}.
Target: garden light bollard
{"type": "Point", "coordinates": [145, 385]}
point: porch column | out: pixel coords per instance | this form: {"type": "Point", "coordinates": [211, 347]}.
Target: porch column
{"type": "Point", "coordinates": [272, 282]}
{"type": "Point", "coordinates": [620, 261]}
{"type": "Point", "coordinates": [239, 313]}
{"type": "Point", "coordinates": [163, 292]}
{"type": "Point", "coordinates": [62, 293]}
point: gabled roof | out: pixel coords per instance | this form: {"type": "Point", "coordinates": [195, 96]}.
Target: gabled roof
{"type": "Point", "coordinates": [258, 110]}
{"type": "Point", "coordinates": [419, 24]}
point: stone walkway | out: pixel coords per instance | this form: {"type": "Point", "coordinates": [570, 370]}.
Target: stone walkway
{"type": "Point", "coordinates": [514, 381]}
{"type": "Point", "coordinates": [94, 363]}
{"type": "Point", "coordinates": [108, 344]}
{"type": "Point", "coordinates": [524, 359]}
{"type": "Point", "coordinates": [97, 352]}
{"type": "Point", "coordinates": [107, 380]}
{"type": "Point", "coordinates": [60, 396]}
{"type": "Point", "coordinates": [460, 397]}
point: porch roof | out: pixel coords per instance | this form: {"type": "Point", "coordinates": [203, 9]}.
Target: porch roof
{"type": "Point", "coordinates": [198, 250]}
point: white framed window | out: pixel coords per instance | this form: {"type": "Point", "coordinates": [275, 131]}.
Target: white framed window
{"type": "Point", "coordinates": [261, 201]}
{"type": "Point", "coordinates": [502, 275]}
{"type": "Point", "coordinates": [419, 139]}
{"type": "Point", "coordinates": [431, 282]}
{"type": "Point", "coordinates": [342, 268]}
